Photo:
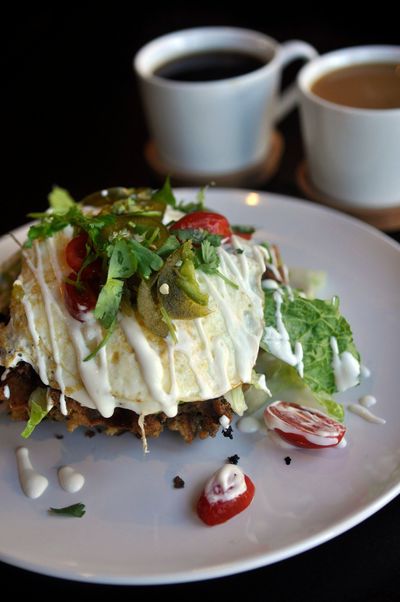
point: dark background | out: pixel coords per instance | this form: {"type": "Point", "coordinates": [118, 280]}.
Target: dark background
{"type": "Point", "coordinates": [71, 115]}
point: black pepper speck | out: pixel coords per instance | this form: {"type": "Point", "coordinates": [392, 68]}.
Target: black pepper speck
{"type": "Point", "coordinates": [178, 482]}
{"type": "Point", "coordinates": [228, 432]}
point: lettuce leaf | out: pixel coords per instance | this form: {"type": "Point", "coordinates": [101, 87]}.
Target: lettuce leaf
{"type": "Point", "coordinates": [312, 323]}
{"type": "Point", "coordinates": [284, 382]}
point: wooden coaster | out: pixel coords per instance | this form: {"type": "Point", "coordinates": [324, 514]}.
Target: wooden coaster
{"type": "Point", "coordinates": [387, 218]}
{"type": "Point", "coordinates": [252, 177]}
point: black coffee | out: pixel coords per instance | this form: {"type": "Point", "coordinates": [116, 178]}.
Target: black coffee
{"type": "Point", "coordinates": [209, 66]}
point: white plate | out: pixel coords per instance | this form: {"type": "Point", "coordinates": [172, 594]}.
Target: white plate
{"type": "Point", "coordinates": [139, 529]}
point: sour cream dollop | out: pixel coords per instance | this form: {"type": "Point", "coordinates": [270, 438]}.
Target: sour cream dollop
{"type": "Point", "coordinates": [225, 485]}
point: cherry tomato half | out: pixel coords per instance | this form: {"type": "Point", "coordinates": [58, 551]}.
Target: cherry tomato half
{"type": "Point", "coordinates": [204, 220]}
{"type": "Point", "coordinates": [303, 427]}
{"type": "Point", "coordinates": [82, 299]}
{"type": "Point", "coordinates": [221, 511]}
{"type": "Point", "coordinates": [76, 251]}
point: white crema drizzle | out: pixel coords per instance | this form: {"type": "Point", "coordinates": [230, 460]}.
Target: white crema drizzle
{"type": "Point", "coordinates": [161, 379]}
{"type": "Point", "coordinates": [32, 483]}
{"type": "Point", "coordinates": [278, 341]}
{"type": "Point", "coordinates": [47, 297]}
{"type": "Point", "coordinates": [346, 367]}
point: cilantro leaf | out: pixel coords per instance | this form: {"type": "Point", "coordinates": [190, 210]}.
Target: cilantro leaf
{"type": "Point", "coordinates": [38, 409]}
{"type": "Point", "coordinates": [108, 302]}
{"type": "Point", "coordinates": [169, 246]}
{"type": "Point", "coordinates": [197, 235]}
{"type": "Point", "coordinates": [123, 262]}
{"type": "Point", "coordinates": [165, 194]}
{"type": "Point", "coordinates": [52, 222]}
{"type": "Point", "coordinates": [102, 343]}
{"type": "Point", "coordinates": [45, 229]}
{"type": "Point", "coordinates": [207, 261]}
{"type": "Point", "coordinates": [199, 205]}
{"type": "Point", "coordinates": [209, 258]}
{"type": "Point", "coordinates": [146, 259]}
{"type": "Point", "coordinates": [76, 510]}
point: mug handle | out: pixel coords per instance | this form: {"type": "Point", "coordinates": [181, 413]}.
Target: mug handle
{"type": "Point", "coordinates": [291, 51]}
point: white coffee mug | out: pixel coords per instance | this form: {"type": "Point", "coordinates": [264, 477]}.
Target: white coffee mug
{"type": "Point", "coordinates": [353, 154]}
{"type": "Point", "coordinates": [220, 126]}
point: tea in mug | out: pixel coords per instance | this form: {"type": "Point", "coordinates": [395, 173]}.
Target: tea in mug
{"type": "Point", "coordinates": [362, 86]}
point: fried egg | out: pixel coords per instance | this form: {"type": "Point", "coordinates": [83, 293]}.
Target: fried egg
{"type": "Point", "coordinates": [136, 369]}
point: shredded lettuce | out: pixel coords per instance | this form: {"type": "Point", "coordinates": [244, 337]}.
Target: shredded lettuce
{"type": "Point", "coordinates": [309, 281]}
{"type": "Point", "coordinates": [258, 393]}
{"type": "Point", "coordinates": [237, 401]}
{"type": "Point", "coordinates": [38, 409]}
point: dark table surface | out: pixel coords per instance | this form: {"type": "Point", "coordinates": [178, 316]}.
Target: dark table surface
{"type": "Point", "coordinates": [72, 116]}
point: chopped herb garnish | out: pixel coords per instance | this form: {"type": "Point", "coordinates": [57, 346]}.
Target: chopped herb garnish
{"type": "Point", "coordinates": [240, 229]}
{"type": "Point", "coordinates": [108, 302]}
{"type": "Point", "coordinates": [233, 459]}
{"type": "Point", "coordinates": [197, 236]}
{"type": "Point", "coordinates": [76, 510]}
{"type": "Point", "coordinates": [194, 206]}
{"type": "Point", "coordinates": [169, 246]}
{"type": "Point", "coordinates": [147, 260]}
{"type": "Point", "coordinates": [165, 194]}
{"type": "Point", "coordinates": [102, 343]}
{"type": "Point", "coordinates": [208, 262]}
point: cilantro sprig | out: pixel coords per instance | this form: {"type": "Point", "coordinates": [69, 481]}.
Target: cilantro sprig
{"type": "Point", "coordinates": [207, 261]}
{"type": "Point", "coordinates": [122, 256]}
{"type": "Point", "coordinates": [75, 510]}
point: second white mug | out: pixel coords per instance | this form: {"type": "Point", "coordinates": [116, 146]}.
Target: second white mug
{"type": "Point", "coordinates": [353, 153]}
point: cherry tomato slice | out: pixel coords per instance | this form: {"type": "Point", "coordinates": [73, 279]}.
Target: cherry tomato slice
{"type": "Point", "coordinates": [80, 300]}
{"type": "Point", "coordinates": [303, 427]}
{"type": "Point", "coordinates": [204, 220]}
{"type": "Point", "coordinates": [76, 251]}
{"type": "Point", "coordinates": [220, 512]}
